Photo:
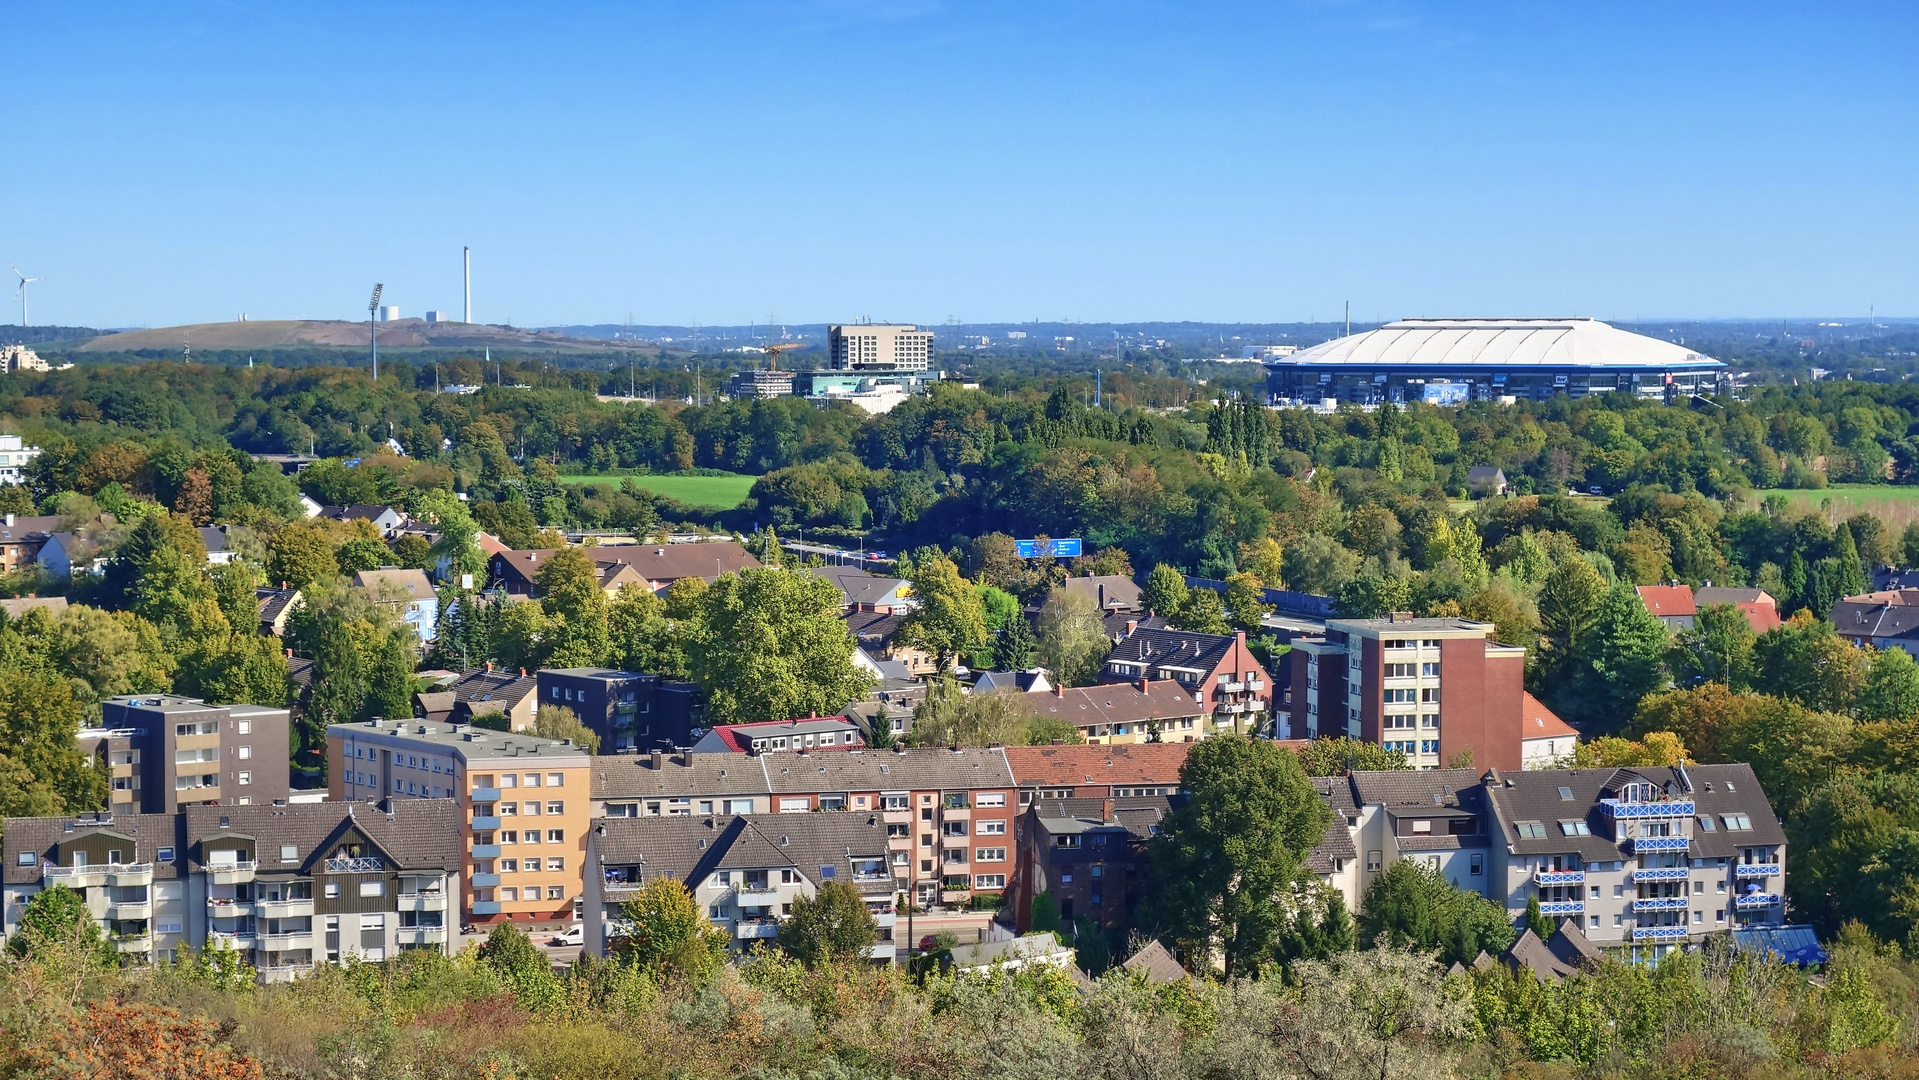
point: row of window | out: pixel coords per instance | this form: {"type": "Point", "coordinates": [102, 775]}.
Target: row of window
{"type": "Point", "coordinates": [511, 809]}
{"type": "Point", "coordinates": [1407, 721]}
{"type": "Point", "coordinates": [531, 866]}
{"type": "Point", "coordinates": [508, 780]}
{"type": "Point", "coordinates": [1407, 696]}
{"type": "Point", "coordinates": [530, 836]}
{"type": "Point", "coordinates": [512, 894]}
{"type": "Point", "coordinates": [1413, 747]}
{"type": "Point", "coordinates": [1409, 643]}
{"type": "Point", "coordinates": [1407, 671]}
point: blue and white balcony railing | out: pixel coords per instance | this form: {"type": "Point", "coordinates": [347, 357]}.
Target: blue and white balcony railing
{"type": "Point", "coordinates": [1559, 877]}
{"type": "Point", "coordinates": [1660, 873]}
{"type": "Point", "coordinates": [1660, 843]}
{"type": "Point", "coordinates": [1756, 870]}
{"type": "Point", "coordinates": [1755, 900]}
{"type": "Point", "coordinates": [1664, 808]}
{"type": "Point", "coordinates": [1660, 903]}
{"type": "Point", "coordinates": [1658, 933]}
{"type": "Point", "coordinates": [1562, 907]}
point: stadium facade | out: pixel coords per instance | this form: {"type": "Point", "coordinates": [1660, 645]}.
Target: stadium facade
{"type": "Point", "coordinates": [1450, 361]}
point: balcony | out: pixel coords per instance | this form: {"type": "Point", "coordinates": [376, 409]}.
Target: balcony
{"type": "Point", "coordinates": [283, 909]}
{"type": "Point", "coordinates": [615, 892]}
{"type": "Point", "coordinates": [1255, 686]}
{"type": "Point", "coordinates": [897, 817]}
{"type": "Point", "coordinates": [1756, 870]}
{"type": "Point", "coordinates": [360, 864]}
{"type": "Point", "coordinates": [485, 795]}
{"type": "Point", "coordinates": [1660, 903]}
{"type": "Point", "coordinates": [284, 972]}
{"type": "Point", "coordinates": [75, 877]}
{"type": "Point", "coordinates": [133, 943]}
{"type": "Point", "coordinates": [130, 909]}
{"type": "Point", "coordinates": [1232, 688]}
{"type": "Point", "coordinates": [486, 907]}
{"type": "Point", "coordinates": [1660, 843]}
{"type": "Point", "coordinates": [1658, 933]}
{"type": "Point", "coordinates": [899, 843]}
{"type": "Point", "coordinates": [880, 878]}
{"type": "Point", "coordinates": [421, 935]}
{"type": "Point", "coordinates": [1755, 900]}
{"type": "Point", "coordinates": [234, 873]}
{"type": "Point", "coordinates": [485, 824]}
{"type": "Point", "coordinates": [226, 907]}
{"type": "Point", "coordinates": [956, 813]}
{"type": "Point", "coordinates": [131, 875]}
{"type": "Point", "coordinates": [885, 950]}
{"type": "Point", "coordinates": [1562, 907]}
{"type": "Point", "coordinates": [1231, 708]}
{"type": "Point", "coordinates": [287, 942]}
{"type": "Point", "coordinates": [488, 881]}
{"type": "Point", "coordinates": [885, 921]}
{"type": "Point", "coordinates": [1664, 808]}
{"type": "Point", "coordinates": [1660, 873]}
{"type": "Point", "coordinates": [238, 942]}
{"type": "Point", "coordinates": [1559, 877]}
{"type": "Point", "coordinates": [756, 896]}
{"type": "Point", "coordinates": [421, 901]}
{"type": "Point", "coordinates": [756, 929]}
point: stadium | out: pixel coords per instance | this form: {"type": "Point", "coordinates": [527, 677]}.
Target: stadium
{"type": "Point", "coordinates": [1450, 361]}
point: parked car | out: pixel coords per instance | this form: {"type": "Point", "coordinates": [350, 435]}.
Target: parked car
{"type": "Point", "coordinates": [572, 935]}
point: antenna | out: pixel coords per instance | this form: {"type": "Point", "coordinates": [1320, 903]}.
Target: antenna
{"type": "Point", "coordinates": [466, 264]}
{"type": "Point", "coordinates": [372, 333]}
{"type": "Point", "coordinates": [22, 293]}
{"type": "Point", "coordinates": [1349, 318]}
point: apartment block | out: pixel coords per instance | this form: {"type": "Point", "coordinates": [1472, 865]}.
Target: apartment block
{"type": "Point", "coordinates": [1217, 670]}
{"type": "Point", "coordinates": [1381, 680]}
{"type": "Point", "coordinates": [289, 887]}
{"type": "Point", "coordinates": [168, 752]}
{"type": "Point", "coordinates": [1089, 855]}
{"type": "Point", "coordinates": [746, 871]}
{"type": "Point", "coordinates": [881, 348]}
{"type": "Point", "coordinates": [628, 710]}
{"type": "Point", "coordinates": [523, 807]}
{"type": "Point", "coordinates": [1096, 772]}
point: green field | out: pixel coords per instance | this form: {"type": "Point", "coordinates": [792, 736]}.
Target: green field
{"type": "Point", "coordinates": [1896, 506]}
{"type": "Point", "coordinates": [724, 492]}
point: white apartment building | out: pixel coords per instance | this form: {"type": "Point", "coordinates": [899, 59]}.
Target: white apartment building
{"type": "Point", "coordinates": [879, 348]}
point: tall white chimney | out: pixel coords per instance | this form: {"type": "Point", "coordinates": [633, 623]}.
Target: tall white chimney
{"type": "Point", "coordinates": [466, 260]}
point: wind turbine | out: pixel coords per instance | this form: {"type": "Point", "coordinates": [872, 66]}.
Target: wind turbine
{"type": "Point", "coordinates": [22, 293]}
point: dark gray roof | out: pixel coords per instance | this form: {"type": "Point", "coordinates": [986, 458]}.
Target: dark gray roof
{"type": "Point", "coordinates": [1716, 791]}
{"type": "Point", "coordinates": [214, 538]}
{"type": "Point", "coordinates": [621, 777]}
{"type": "Point", "coordinates": [857, 586]}
{"type": "Point", "coordinates": [1407, 788]}
{"type": "Point", "coordinates": [872, 629]}
{"type": "Point", "coordinates": [1107, 591]}
{"type": "Point", "coordinates": [273, 602]}
{"type": "Point", "coordinates": [1565, 953]}
{"type": "Point", "coordinates": [147, 833]}
{"type": "Point", "coordinates": [25, 526]}
{"type": "Point", "coordinates": [1337, 841]}
{"type": "Point", "coordinates": [936, 768]}
{"type": "Point", "coordinates": [1116, 622]}
{"type": "Point", "coordinates": [1156, 964]}
{"type": "Point", "coordinates": [1138, 815]}
{"type": "Point", "coordinates": [485, 689]}
{"type": "Point", "coordinates": [1866, 616]}
{"type": "Point", "coordinates": [414, 834]}
{"type": "Point", "coordinates": [688, 849]}
{"type": "Point", "coordinates": [1178, 648]}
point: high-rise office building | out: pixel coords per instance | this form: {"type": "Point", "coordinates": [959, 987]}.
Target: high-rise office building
{"type": "Point", "coordinates": [879, 348]}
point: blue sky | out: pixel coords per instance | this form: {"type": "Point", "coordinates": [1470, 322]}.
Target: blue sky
{"type": "Point", "coordinates": [917, 160]}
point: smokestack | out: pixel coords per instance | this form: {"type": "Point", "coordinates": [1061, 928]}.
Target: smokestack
{"type": "Point", "coordinates": [466, 266]}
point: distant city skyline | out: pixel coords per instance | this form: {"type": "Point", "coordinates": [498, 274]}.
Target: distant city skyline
{"type": "Point", "coordinates": [914, 160]}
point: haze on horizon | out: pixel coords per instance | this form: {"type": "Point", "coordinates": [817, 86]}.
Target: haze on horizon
{"type": "Point", "coordinates": [995, 162]}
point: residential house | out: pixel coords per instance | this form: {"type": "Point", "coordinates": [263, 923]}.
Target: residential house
{"type": "Point", "coordinates": [483, 690]}
{"type": "Point", "coordinates": [20, 605]}
{"type": "Point", "coordinates": [1484, 480]}
{"type": "Point", "coordinates": [1643, 858]}
{"type": "Point", "coordinates": [867, 591]}
{"type": "Point", "coordinates": [657, 566]}
{"type": "Point", "coordinates": [1099, 771]}
{"type": "Point", "coordinates": [1217, 669]}
{"type": "Point", "coordinates": [1380, 680]}
{"type": "Point", "coordinates": [22, 536]}
{"type": "Point", "coordinates": [1546, 740]}
{"type": "Point", "coordinates": [628, 710]}
{"type": "Point", "coordinates": [386, 519]}
{"type": "Point", "coordinates": [1156, 964]}
{"type": "Point", "coordinates": [808, 733]}
{"type": "Point", "coordinates": [1030, 681]}
{"type": "Point", "coordinates": [1437, 817]}
{"type": "Point", "coordinates": [1134, 712]}
{"type": "Point", "coordinates": [1563, 954]}
{"type": "Point", "coordinates": [1883, 620]}
{"type": "Point", "coordinates": [288, 886]}
{"type": "Point", "coordinates": [745, 871]}
{"type": "Point", "coordinates": [1031, 950]}
{"type": "Point", "coordinates": [891, 674]}
{"type": "Point", "coordinates": [876, 633]}
{"type": "Point", "coordinates": [167, 752]}
{"type": "Point", "coordinates": [1108, 592]}
{"type": "Point", "coordinates": [65, 554]}
{"type": "Point", "coordinates": [214, 539]}
{"type": "Point", "coordinates": [1089, 855]}
{"type": "Point", "coordinates": [522, 803]}
{"type": "Point", "coordinates": [276, 607]}
{"type": "Point", "coordinates": [1678, 605]}
{"type": "Point", "coordinates": [407, 592]}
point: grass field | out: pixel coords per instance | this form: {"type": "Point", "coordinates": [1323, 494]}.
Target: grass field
{"type": "Point", "coordinates": [1896, 506]}
{"type": "Point", "coordinates": [724, 492]}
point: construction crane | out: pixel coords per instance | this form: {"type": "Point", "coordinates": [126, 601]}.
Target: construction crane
{"type": "Point", "coordinates": [773, 353]}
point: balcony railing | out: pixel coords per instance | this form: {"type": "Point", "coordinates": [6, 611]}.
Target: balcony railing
{"type": "Point", "coordinates": [283, 909]}
{"type": "Point", "coordinates": [756, 929]}
{"type": "Point", "coordinates": [1661, 808]}
{"type": "Point", "coordinates": [1755, 900]}
{"type": "Point", "coordinates": [1660, 873]}
{"type": "Point", "coordinates": [1562, 907]}
{"type": "Point", "coordinates": [359, 864]}
{"type": "Point", "coordinates": [233, 872]}
{"type": "Point", "coordinates": [1756, 870]}
{"type": "Point", "coordinates": [756, 895]}
{"type": "Point", "coordinates": [1660, 903]}
{"type": "Point", "coordinates": [1660, 843]}
{"type": "Point", "coordinates": [1658, 933]}
{"type": "Point", "coordinates": [1559, 877]}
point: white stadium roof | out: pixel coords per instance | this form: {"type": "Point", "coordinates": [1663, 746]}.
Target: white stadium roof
{"type": "Point", "coordinates": [1505, 343]}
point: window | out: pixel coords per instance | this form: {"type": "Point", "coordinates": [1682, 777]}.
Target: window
{"type": "Point", "coordinates": [510, 894]}
{"type": "Point", "coordinates": [1423, 825]}
{"type": "Point", "coordinates": [1429, 746]}
{"type": "Point", "coordinates": [1574, 828]}
{"type": "Point", "coordinates": [556, 836]}
{"type": "Point", "coordinates": [898, 831]}
{"type": "Point", "coordinates": [246, 777]}
{"type": "Point", "coordinates": [165, 854]}
{"type": "Point", "coordinates": [246, 727]}
{"type": "Point", "coordinates": [509, 866]}
{"type": "Point", "coordinates": [532, 807]}
{"type": "Point", "coordinates": [1531, 830]}
{"type": "Point", "coordinates": [554, 779]}
{"type": "Point", "coordinates": [795, 806]}
{"type": "Point", "coordinates": [26, 858]}
{"type": "Point", "coordinates": [1705, 823]}
{"type": "Point", "coordinates": [556, 892]}
{"type": "Point", "coordinates": [991, 798]}
{"type": "Point", "coordinates": [168, 926]}
{"type": "Point", "coordinates": [507, 809]}
{"type": "Point", "coordinates": [989, 881]}
{"type": "Point", "coordinates": [1431, 670]}
{"type": "Point", "coordinates": [509, 779]}
{"type": "Point", "coordinates": [554, 866]}
{"type": "Point", "coordinates": [1430, 695]}
{"type": "Point", "coordinates": [733, 806]}
{"type": "Point", "coordinates": [332, 890]}
{"type": "Point", "coordinates": [894, 802]}
{"type": "Point", "coordinates": [990, 854]}
{"type": "Point", "coordinates": [992, 828]}
{"type": "Point", "coordinates": [508, 836]}
{"type": "Point", "coordinates": [1400, 671]}
{"type": "Point", "coordinates": [1698, 916]}
{"type": "Point", "coordinates": [1736, 822]}
{"type": "Point", "coordinates": [532, 779]}
{"type": "Point", "coordinates": [1565, 794]}
{"type": "Point", "coordinates": [1372, 861]}
{"type": "Point", "coordinates": [1400, 697]}
{"type": "Point", "coordinates": [1478, 863]}
{"type": "Point", "coordinates": [530, 836]}
{"type": "Point", "coordinates": [289, 852]}
{"type": "Point", "coordinates": [245, 752]}
{"type": "Point", "coordinates": [372, 888]}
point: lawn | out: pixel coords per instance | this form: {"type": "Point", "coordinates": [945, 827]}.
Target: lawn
{"type": "Point", "coordinates": [1896, 506]}
{"type": "Point", "coordinates": [723, 492]}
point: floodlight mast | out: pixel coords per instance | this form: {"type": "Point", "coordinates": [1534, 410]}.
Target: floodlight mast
{"type": "Point", "coordinates": [372, 332]}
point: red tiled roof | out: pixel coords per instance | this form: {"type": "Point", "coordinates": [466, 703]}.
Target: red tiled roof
{"type": "Point", "coordinates": [1139, 763]}
{"type": "Point", "coordinates": [1539, 722]}
{"type": "Point", "coordinates": [1668, 601]}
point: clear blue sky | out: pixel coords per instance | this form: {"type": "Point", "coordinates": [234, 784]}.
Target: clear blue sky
{"type": "Point", "coordinates": [915, 160]}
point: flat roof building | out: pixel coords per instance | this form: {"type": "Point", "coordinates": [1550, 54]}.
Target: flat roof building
{"type": "Point", "coordinates": [1450, 361]}
{"type": "Point", "coordinates": [879, 348]}
{"type": "Point", "coordinates": [167, 752]}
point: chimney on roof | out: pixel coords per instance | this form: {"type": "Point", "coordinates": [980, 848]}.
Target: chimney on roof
{"type": "Point", "coordinates": [1106, 811]}
{"type": "Point", "coordinates": [1145, 685]}
{"type": "Point", "coordinates": [1059, 690]}
{"type": "Point", "coordinates": [522, 673]}
{"type": "Point", "coordinates": [659, 760]}
{"type": "Point", "coordinates": [489, 665]}
{"type": "Point", "coordinates": [1401, 616]}
{"type": "Point", "coordinates": [1240, 636]}
{"type": "Point", "coordinates": [1131, 625]}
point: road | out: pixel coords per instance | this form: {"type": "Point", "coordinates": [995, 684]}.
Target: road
{"type": "Point", "coordinates": [840, 556]}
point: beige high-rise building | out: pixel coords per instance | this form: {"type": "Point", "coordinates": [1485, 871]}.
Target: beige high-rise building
{"type": "Point", "coordinates": [875, 348]}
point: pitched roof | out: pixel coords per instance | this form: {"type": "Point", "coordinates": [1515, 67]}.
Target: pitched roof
{"type": "Point", "coordinates": [1140, 816]}
{"type": "Point", "coordinates": [1117, 703]}
{"type": "Point", "coordinates": [359, 512]}
{"type": "Point", "coordinates": [1565, 953]}
{"type": "Point", "coordinates": [1174, 648]}
{"type": "Point", "coordinates": [1536, 721]}
{"type": "Point", "coordinates": [435, 704]}
{"type": "Point", "coordinates": [1717, 790]}
{"type": "Point", "coordinates": [656, 563]}
{"type": "Point", "coordinates": [274, 602]}
{"type": "Point", "coordinates": [1156, 964]}
{"type": "Point", "coordinates": [413, 834]}
{"type": "Point", "coordinates": [872, 629]}
{"type": "Point", "coordinates": [486, 689]}
{"type": "Point", "coordinates": [857, 586]}
{"type": "Point", "coordinates": [25, 526]}
{"type": "Point", "coordinates": [988, 953]}
{"type": "Point", "coordinates": [146, 833]}
{"type": "Point", "coordinates": [213, 538]}
{"type": "Point", "coordinates": [930, 768]}
{"type": "Point", "coordinates": [1065, 766]}
{"type": "Point", "coordinates": [1108, 591]}
{"type": "Point", "coordinates": [20, 605]}
{"type": "Point", "coordinates": [388, 582]}
{"type": "Point", "coordinates": [1667, 601]}
{"type": "Point", "coordinates": [1893, 613]}
{"type": "Point", "coordinates": [633, 776]}
{"type": "Point", "coordinates": [688, 849]}
{"type": "Point", "coordinates": [739, 738]}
